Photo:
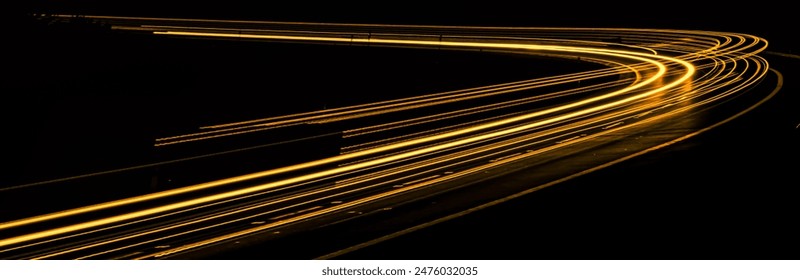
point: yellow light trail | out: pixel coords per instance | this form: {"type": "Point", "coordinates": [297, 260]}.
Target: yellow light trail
{"type": "Point", "coordinates": [421, 185]}
{"type": "Point", "coordinates": [692, 38]}
{"type": "Point", "coordinates": [664, 73]}
{"type": "Point", "coordinates": [138, 214]}
{"type": "Point", "coordinates": [384, 107]}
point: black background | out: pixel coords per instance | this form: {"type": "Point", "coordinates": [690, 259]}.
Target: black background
{"type": "Point", "coordinates": [751, 221]}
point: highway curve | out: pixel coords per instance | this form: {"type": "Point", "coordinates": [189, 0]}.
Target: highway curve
{"type": "Point", "coordinates": [396, 151]}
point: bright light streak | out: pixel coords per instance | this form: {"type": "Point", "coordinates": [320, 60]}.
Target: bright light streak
{"type": "Point", "coordinates": [648, 58]}
{"type": "Point", "coordinates": [663, 65]}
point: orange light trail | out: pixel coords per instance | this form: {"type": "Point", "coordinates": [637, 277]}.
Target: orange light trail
{"type": "Point", "coordinates": [663, 70]}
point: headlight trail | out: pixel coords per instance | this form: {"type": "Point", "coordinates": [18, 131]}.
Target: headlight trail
{"type": "Point", "coordinates": [651, 76]}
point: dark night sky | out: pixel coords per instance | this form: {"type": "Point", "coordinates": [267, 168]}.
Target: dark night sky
{"type": "Point", "coordinates": [770, 19]}
{"type": "Point", "coordinates": [559, 12]}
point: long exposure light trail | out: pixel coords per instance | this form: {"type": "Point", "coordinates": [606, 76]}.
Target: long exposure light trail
{"type": "Point", "coordinates": [366, 110]}
{"type": "Point", "coordinates": [654, 75]}
{"type": "Point", "coordinates": [644, 58]}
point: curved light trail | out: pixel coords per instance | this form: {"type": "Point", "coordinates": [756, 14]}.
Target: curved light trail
{"type": "Point", "coordinates": [651, 76]}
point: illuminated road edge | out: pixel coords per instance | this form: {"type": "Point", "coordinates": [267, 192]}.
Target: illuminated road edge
{"type": "Point", "coordinates": [661, 74]}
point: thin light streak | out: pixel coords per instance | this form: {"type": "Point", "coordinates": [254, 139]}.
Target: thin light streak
{"type": "Point", "coordinates": [629, 55]}
{"type": "Point", "coordinates": [666, 86]}
{"type": "Point", "coordinates": [210, 198]}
